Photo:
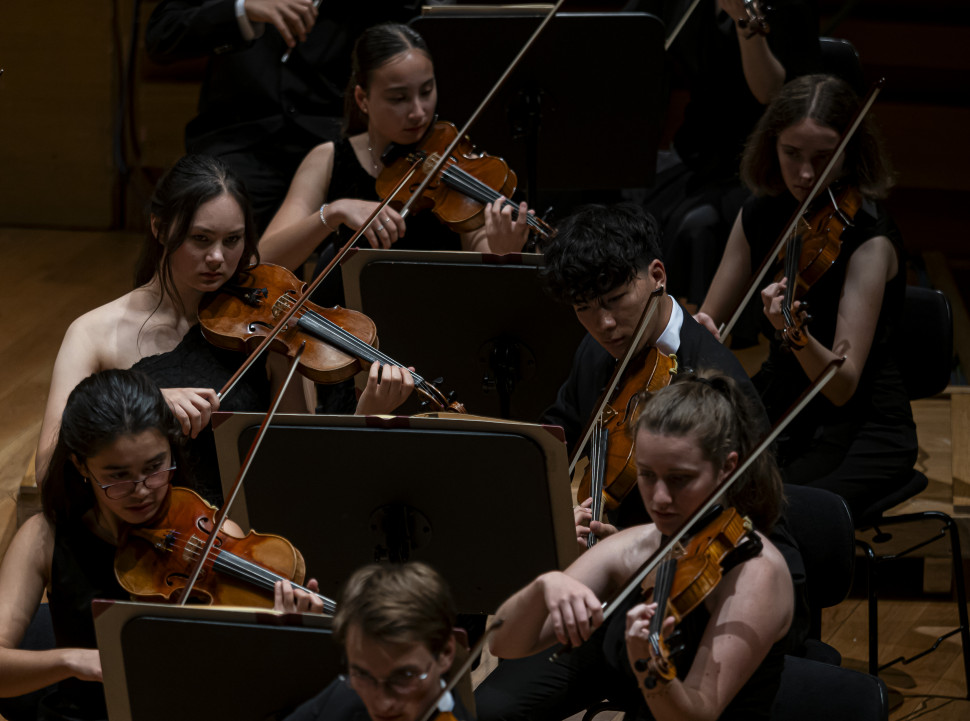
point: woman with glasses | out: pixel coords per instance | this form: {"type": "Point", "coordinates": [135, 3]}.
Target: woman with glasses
{"type": "Point", "coordinates": [117, 454]}
{"type": "Point", "coordinates": [396, 624]}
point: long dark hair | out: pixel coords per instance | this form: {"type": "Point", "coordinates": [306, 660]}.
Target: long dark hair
{"type": "Point", "coordinates": [832, 103]}
{"type": "Point", "coordinates": [375, 46]}
{"type": "Point", "coordinates": [191, 182]}
{"type": "Point", "coordinates": [712, 409]}
{"type": "Point", "coordinates": [102, 408]}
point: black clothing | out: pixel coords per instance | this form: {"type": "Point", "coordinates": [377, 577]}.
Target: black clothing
{"type": "Point", "coordinates": [867, 447]}
{"type": "Point", "coordinates": [697, 197]}
{"type": "Point", "coordinates": [82, 569]}
{"type": "Point", "coordinates": [349, 180]}
{"type": "Point", "coordinates": [339, 702]}
{"type": "Point", "coordinates": [258, 113]}
{"type": "Point", "coordinates": [591, 371]}
{"type": "Point", "coordinates": [533, 689]}
{"type": "Point", "coordinates": [196, 363]}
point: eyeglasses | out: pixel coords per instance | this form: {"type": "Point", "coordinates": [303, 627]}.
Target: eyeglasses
{"type": "Point", "coordinates": [399, 683]}
{"type": "Point", "coordinates": [124, 488]}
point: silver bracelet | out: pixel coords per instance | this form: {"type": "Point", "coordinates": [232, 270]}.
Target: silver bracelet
{"type": "Point", "coordinates": [323, 218]}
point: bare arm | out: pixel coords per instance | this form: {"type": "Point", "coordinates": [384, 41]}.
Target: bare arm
{"type": "Point", "coordinates": [565, 606]}
{"type": "Point", "coordinates": [730, 280]}
{"type": "Point", "coordinates": [76, 360]}
{"type": "Point", "coordinates": [763, 72]}
{"type": "Point", "coordinates": [868, 271]}
{"type": "Point", "coordinates": [752, 608]}
{"type": "Point", "coordinates": [23, 577]}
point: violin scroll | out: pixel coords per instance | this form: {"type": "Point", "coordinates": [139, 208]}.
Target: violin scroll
{"type": "Point", "coordinates": [755, 21]}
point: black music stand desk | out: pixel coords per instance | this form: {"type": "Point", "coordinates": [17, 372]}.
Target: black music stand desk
{"type": "Point", "coordinates": [483, 322]}
{"type": "Point", "coordinates": [198, 663]}
{"type": "Point", "coordinates": [486, 503]}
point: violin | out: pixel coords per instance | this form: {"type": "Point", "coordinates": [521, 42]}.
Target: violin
{"type": "Point", "coordinates": [808, 255]}
{"type": "Point", "coordinates": [612, 473]}
{"type": "Point", "coordinates": [152, 561]}
{"type": "Point", "coordinates": [684, 580]}
{"type": "Point", "coordinates": [245, 309]}
{"type": "Point", "coordinates": [460, 190]}
{"type": "Point", "coordinates": [755, 21]}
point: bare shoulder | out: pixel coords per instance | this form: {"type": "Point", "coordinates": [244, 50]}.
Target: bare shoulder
{"type": "Point", "coordinates": [32, 547]}
{"type": "Point", "coordinates": [108, 333]}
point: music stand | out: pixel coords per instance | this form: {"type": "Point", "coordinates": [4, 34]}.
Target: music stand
{"type": "Point", "coordinates": [198, 663]}
{"type": "Point", "coordinates": [483, 322]}
{"type": "Point", "coordinates": [351, 490]}
{"type": "Point", "coordinates": [583, 111]}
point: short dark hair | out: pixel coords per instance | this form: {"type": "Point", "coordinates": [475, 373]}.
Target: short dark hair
{"type": "Point", "coordinates": [375, 46]}
{"type": "Point", "coordinates": [397, 603]}
{"type": "Point", "coordinates": [832, 103]}
{"type": "Point", "coordinates": [193, 181]}
{"type": "Point", "coordinates": [102, 408]}
{"type": "Point", "coordinates": [597, 249]}
{"type": "Point", "coordinates": [711, 408]}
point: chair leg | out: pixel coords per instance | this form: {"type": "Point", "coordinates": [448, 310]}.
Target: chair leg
{"type": "Point", "coordinates": [873, 606]}
{"type": "Point", "coordinates": [958, 579]}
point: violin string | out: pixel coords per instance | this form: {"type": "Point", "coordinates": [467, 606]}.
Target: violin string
{"type": "Point", "coordinates": [661, 592]}
{"type": "Point", "coordinates": [241, 568]}
{"type": "Point", "coordinates": [475, 189]}
{"type": "Point", "coordinates": [327, 330]}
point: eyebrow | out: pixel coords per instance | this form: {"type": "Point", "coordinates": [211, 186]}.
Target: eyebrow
{"type": "Point", "coordinates": [205, 229]}
{"type": "Point", "coordinates": [158, 457]}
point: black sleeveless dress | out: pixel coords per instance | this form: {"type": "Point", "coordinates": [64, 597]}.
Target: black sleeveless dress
{"type": "Point", "coordinates": [350, 180]}
{"type": "Point", "coordinates": [196, 363]}
{"type": "Point", "coordinates": [82, 569]}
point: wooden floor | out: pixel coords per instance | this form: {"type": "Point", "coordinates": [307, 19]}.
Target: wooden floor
{"type": "Point", "coordinates": [53, 276]}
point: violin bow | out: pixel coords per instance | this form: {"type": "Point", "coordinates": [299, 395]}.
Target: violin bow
{"type": "Point", "coordinates": [766, 264]}
{"type": "Point", "coordinates": [221, 514]}
{"type": "Point", "coordinates": [298, 302]}
{"type": "Point", "coordinates": [633, 583]}
{"type": "Point", "coordinates": [649, 309]}
{"type": "Point", "coordinates": [675, 30]}
{"type": "Point", "coordinates": [465, 667]}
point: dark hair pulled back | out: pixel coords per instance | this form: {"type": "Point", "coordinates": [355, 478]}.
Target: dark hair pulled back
{"type": "Point", "coordinates": [375, 46]}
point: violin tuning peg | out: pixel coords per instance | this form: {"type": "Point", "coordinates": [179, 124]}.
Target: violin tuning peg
{"type": "Point", "coordinates": [677, 650]}
{"type": "Point", "coordinates": [641, 665]}
{"type": "Point", "coordinates": [438, 381]}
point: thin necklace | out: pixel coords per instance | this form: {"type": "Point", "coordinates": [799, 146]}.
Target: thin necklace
{"type": "Point", "coordinates": [370, 151]}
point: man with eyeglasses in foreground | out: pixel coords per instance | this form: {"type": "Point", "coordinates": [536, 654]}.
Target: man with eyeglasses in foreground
{"type": "Point", "coordinates": [396, 624]}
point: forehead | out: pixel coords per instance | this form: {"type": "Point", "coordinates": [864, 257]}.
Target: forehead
{"type": "Point", "coordinates": [630, 285]}
{"type": "Point", "coordinates": [221, 210]}
{"type": "Point", "coordinates": [131, 449]}
{"type": "Point", "coordinates": [809, 134]}
{"type": "Point", "coordinates": [661, 449]}
{"type": "Point", "coordinates": [381, 658]}
{"type": "Point", "coordinates": [409, 67]}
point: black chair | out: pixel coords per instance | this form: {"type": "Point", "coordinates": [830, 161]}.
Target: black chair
{"type": "Point", "coordinates": [927, 326]}
{"type": "Point", "coordinates": [822, 526]}
{"type": "Point", "coordinates": [811, 690]}
{"type": "Point", "coordinates": [839, 58]}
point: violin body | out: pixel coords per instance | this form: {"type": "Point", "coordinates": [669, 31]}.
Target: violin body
{"type": "Point", "coordinates": [809, 254]}
{"type": "Point", "coordinates": [245, 309]}
{"type": "Point", "coordinates": [154, 561]}
{"type": "Point", "coordinates": [451, 195]}
{"type": "Point", "coordinates": [682, 583]}
{"type": "Point", "coordinates": [650, 371]}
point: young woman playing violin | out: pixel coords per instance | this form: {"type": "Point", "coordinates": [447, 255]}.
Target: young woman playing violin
{"type": "Point", "coordinates": [117, 454]}
{"type": "Point", "coordinates": [688, 439]}
{"type": "Point", "coordinates": [396, 624]}
{"type": "Point", "coordinates": [390, 98]}
{"type": "Point", "coordinates": [859, 439]}
{"type": "Point", "coordinates": [201, 234]}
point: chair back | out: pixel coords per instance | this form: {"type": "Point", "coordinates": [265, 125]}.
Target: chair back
{"type": "Point", "coordinates": [924, 342]}
{"type": "Point", "coordinates": [839, 58]}
{"type": "Point", "coordinates": [822, 526]}
{"type": "Point", "coordinates": [811, 691]}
